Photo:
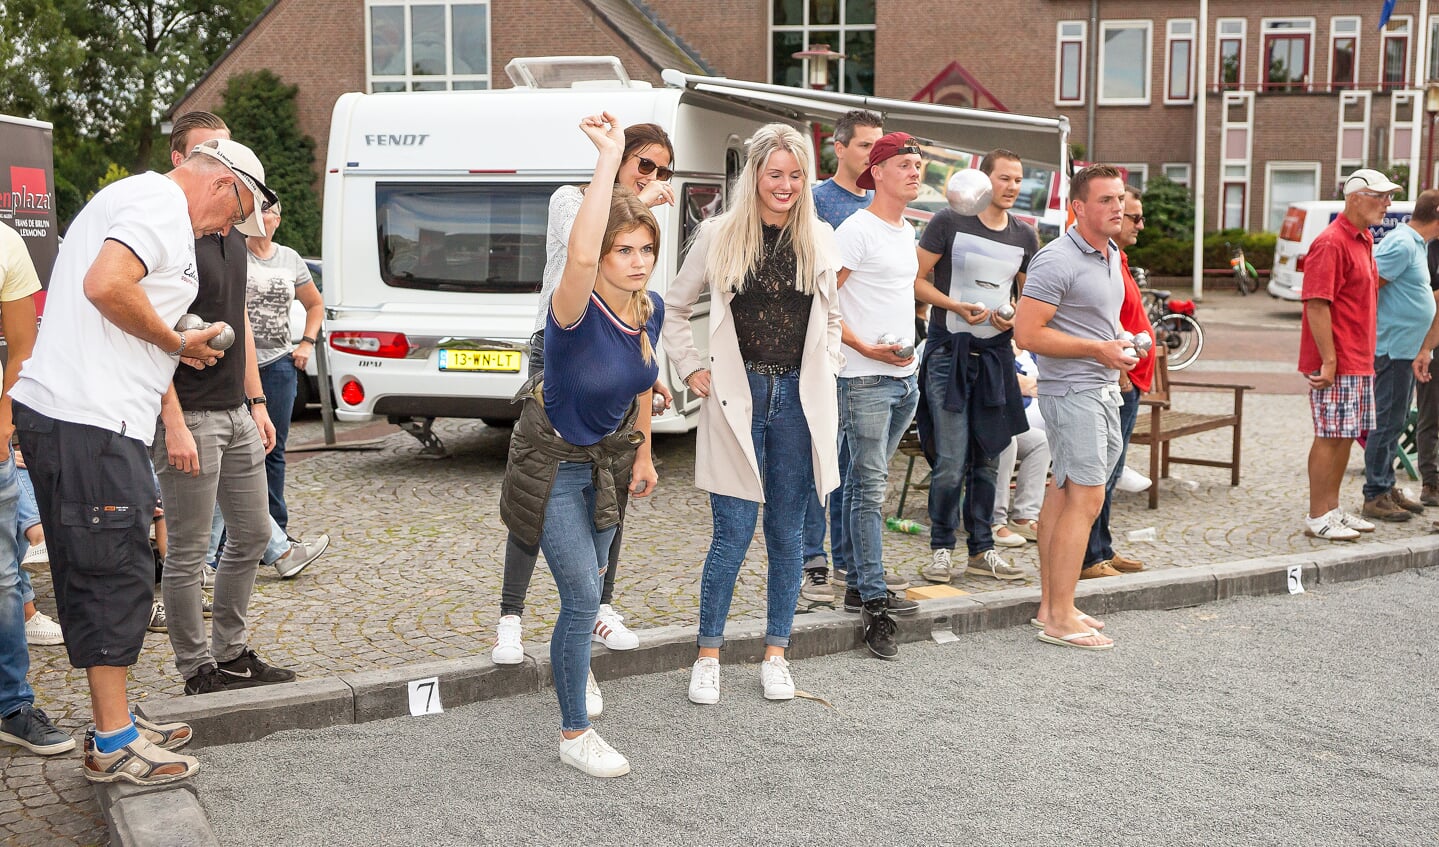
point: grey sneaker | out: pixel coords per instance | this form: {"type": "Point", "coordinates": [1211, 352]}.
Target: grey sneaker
{"type": "Point", "coordinates": [158, 622]}
{"type": "Point", "coordinates": [139, 762]}
{"type": "Point", "coordinates": [991, 565]}
{"type": "Point", "coordinates": [32, 729]}
{"type": "Point", "coordinates": [208, 572]}
{"type": "Point", "coordinates": [938, 570]}
{"type": "Point", "coordinates": [301, 554]}
{"type": "Point", "coordinates": [816, 587]}
{"type": "Point", "coordinates": [170, 736]}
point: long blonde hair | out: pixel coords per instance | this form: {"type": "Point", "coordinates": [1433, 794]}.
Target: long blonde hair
{"type": "Point", "coordinates": [629, 213]}
{"type": "Point", "coordinates": [738, 242]}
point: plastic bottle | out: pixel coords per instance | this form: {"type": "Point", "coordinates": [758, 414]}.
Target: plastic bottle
{"type": "Point", "coordinates": [905, 525]}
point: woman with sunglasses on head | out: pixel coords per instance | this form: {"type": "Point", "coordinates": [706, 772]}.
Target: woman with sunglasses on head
{"type": "Point", "coordinates": [583, 434]}
{"type": "Point", "coordinates": [645, 170]}
{"type": "Point", "coordinates": [769, 424]}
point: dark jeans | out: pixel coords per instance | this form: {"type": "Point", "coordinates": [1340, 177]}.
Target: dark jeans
{"type": "Point", "coordinates": [1101, 543]}
{"type": "Point", "coordinates": [1393, 386]}
{"type": "Point", "coordinates": [962, 486]}
{"type": "Point", "coordinates": [280, 381]}
{"type": "Point", "coordinates": [1426, 430]}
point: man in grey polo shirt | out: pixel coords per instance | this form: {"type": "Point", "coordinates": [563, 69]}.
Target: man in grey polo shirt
{"type": "Point", "coordinates": [1068, 317]}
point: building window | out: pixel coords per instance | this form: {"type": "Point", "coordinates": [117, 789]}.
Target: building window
{"type": "Point", "coordinates": [1135, 174]}
{"type": "Point", "coordinates": [431, 46]}
{"type": "Point", "coordinates": [1394, 54]}
{"type": "Point", "coordinates": [1353, 131]}
{"type": "Point", "coordinates": [1229, 52]}
{"type": "Point", "coordinates": [1433, 63]}
{"type": "Point", "coordinates": [1288, 46]}
{"type": "Point", "coordinates": [1343, 53]}
{"type": "Point", "coordinates": [847, 26]}
{"type": "Point", "coordinates": [1124, 61]}
{"type": "Point", "coordinates": [1178, 173]}
{"type": "Point", "coordinates": [1235, 156]}
{"type": "Point", "coordinates": [1069, 63]}
{"type": "Point", "coordinates": [1233, 206]}
{"type": "Point", "coordinates": [1288, 183]}
{"type": "Point", "coordinates": [1404, 131]}
{"type": "Point", "coordinates": [1179, 62]}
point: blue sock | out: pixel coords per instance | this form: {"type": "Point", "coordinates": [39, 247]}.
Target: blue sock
{"type": "Point", "coordinates": [109, 742]}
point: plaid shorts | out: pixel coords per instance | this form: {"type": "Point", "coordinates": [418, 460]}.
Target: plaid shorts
{"type": "Point", "coordinates": [1344, 409]}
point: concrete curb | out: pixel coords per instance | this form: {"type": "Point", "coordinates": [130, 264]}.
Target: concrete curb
{"type": "Point", "coordinates": [168, 816]}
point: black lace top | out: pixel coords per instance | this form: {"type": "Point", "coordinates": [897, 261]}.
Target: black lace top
{"type": "Point", "coordinates": [770, 316]}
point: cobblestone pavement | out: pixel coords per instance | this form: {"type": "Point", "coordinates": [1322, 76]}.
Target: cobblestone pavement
{"type": "Point", "coordinates": [414, 570]}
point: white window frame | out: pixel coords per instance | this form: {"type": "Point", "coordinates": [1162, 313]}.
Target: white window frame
{"type": "Point", "coordinates": [1306, 84]}
{"type": "Point", "coordinates": [1269, 170]}
{"type": "Point", "coordinates": [841, 26]}
{"type": "Point", "coordinates": [1431, 66]}
{"type": "Point", "coordinates": [409, 77]}
{"type": "Point", "coordinates": [1335, 35]}
{"type": "Point", "coordinates": [1416, 101]}
{"type": "Point", "coordinates": [1365, 98]}
{"type": "Point", "coordinates": [1240, 167]}
{"type": "Point", "coordinates": [1060, 40]}
{"type": "Point", "coordinates": [1171, 37]}
{"type": "Point", "coordinates": [1389, 34]}
{"type": "Point", "coordinates": [1140, 168]}
{"type": "Point", "coordinates": [1220, 36]}
{"type": "Point", "coordinates": [1171, 168]}
{"type": "Point", "coordinates": [1148, 27]}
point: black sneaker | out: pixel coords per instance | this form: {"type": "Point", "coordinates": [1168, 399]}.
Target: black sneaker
{"type": "Point", "coordinates": [207, 680]}
{"type": "Point", "coordinates": [32, 729]}
{"type": "Point", "coordinates": [880, 630]}
{"type": "Point", "coordinates": [246, 670]}
{"type": "Point", "coordinates": [852, 601]}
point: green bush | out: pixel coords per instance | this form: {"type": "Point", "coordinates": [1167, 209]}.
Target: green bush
{"type": "Point", "coordinates": [1175, 257]}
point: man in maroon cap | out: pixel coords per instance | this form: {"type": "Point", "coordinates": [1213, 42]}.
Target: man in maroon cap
{"type": "Point", "coordinates": [877, 388]}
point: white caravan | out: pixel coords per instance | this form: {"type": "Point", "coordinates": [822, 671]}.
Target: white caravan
{"type": "Point", "coordinates": [436, 206]}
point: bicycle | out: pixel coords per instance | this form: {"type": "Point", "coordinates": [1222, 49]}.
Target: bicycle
{"type": "Point", "coordinates": [1175, 327]}
{"type": "Point", "coordinates": [1246, 278]}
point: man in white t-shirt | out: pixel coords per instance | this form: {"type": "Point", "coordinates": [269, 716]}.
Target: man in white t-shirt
{"type": "Point", "coordinates": [877, 388]}
{"type": "Point", "coordinates": [85, 407]}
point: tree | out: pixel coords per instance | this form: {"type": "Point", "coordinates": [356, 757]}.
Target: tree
{"type": "Point", "coordinates": [261, 112]}
{"type": "Point", "coordinates": [1168, 210]}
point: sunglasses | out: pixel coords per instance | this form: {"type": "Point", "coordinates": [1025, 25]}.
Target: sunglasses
{"type": "Point", "coordinates": [1138, 219]}
{"type": "Point", "coordinates": [648, 166]}
{"type": "Point", "coordinates": [240, 218]}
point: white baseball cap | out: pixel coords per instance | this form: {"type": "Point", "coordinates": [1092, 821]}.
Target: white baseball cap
{"type": "Point", "coordinates": [1368, 179]}
{"type": "Point", "coordinates": [246, 167]}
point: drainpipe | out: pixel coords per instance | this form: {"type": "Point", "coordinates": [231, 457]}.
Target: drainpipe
{"type": "Point", "coordinates": [1421, 80]}
{"type": "Point", "coordinates": [1092, 61]}
{"type": "Point", "coordinates": [1201, 89]}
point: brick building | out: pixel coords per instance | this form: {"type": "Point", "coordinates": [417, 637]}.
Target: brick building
{"type": "Point", "coordinates": [1297, 93]}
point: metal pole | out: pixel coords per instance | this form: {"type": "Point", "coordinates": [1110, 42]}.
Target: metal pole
{"type": "Point", "coordinates": [1092, 61]}
{"type": "Point", "coordinates": [1200, 147]}
{"type": "Point", "coordinates": [1429, 152]}
{"type": "Point", "coordinates": [327, 403]}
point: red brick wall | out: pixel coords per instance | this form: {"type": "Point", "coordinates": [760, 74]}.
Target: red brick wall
{"type": "Point", "coordinates": [731, 35]}
{"type": "Point", "coordinates": [555, 27]}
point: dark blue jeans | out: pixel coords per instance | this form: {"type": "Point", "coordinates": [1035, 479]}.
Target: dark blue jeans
{"type": "Point", "coordinates": [962, 486]}
{"type": "Point", "coordinates": [1393, 392]}
{"type": "Point", "coordinates": [14, 654]}
{"type": "Point", "coordinates": [1101, 543]}
{"type": "Point", "coordinates": [782, 448]}
{"type": "Point", "coordinates": [280, 381]}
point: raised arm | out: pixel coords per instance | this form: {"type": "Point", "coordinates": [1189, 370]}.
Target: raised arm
{"type": "Point", "coordinates": [588, 232]}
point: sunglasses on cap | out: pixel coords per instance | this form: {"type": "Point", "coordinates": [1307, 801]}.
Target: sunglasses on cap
{"type": "Point", "coordinates": [649, 166]}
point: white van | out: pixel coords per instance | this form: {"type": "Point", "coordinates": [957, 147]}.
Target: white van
{"type": "Point", "coordinates": [436, 206]}
{"type": "Point", "coordinates": [1304, 221]}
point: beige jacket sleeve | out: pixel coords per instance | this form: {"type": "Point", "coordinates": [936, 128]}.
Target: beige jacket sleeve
{"type": "Point", "coordinates": [828, 272]}
{"type": "Point", "coordinates": [684, 291]}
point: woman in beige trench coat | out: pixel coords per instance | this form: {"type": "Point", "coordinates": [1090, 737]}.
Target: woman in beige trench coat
{"type": "Point", "coordinates": [768, 426]}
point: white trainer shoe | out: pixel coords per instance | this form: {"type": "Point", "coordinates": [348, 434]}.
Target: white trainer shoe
{"type": "Point", "coordinates": [1132, 481]}
{"type": "Point", "coordinates": [610, 630]}
{"type": "Point", "coordinates": [941, 568]}
{"type": "Point", "coordinates": [36, 556]}
{"type": "Point", "coordinates": [775, 677]}
{"type": "Point", "coordinates": [1356, 523]}
{"type": "Point", "coordinates": [590, 753]}
{"type": "Point", "coordinates": [1329, 527]}
{"type": "Point", "coordinates": [43, 631]}
{"type": "Point", "coordinates": [594, 701]}
{"type": "Point", "coordinates": [509, 650]}
{"type": "Point", "coordinates": [704, 682]}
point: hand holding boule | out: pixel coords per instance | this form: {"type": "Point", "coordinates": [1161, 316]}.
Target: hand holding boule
{"type": "Point", "coordinates": [223, 339]}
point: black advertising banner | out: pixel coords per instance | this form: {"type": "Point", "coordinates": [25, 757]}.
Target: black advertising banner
{"type": "Point", "coordinates": [27, 189]}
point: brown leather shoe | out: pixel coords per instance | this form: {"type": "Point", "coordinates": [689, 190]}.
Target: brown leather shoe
{"type": "Point", "coordinates": [1126, 565]}
{"type": "Point", "coordinates": [1096, 571]}
{"type": "Point", "coordinates": [1430, 495]}
{"type": "Point", "coordinates": [1402, 501]}
{"type": "Point", "coordinates": [1382, 508]}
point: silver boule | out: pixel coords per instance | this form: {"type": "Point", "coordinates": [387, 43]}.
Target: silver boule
{"type": "Point", "coordinates": [969, 191]}
{"type": "Point", "coordinates": [1143, 342]}
{"type": "Point", "coordinates": [223, 339]}
{"type": "Point", "coordinates": [188, 321]}
{"type": "Point", "coordinates": [1005, 312]}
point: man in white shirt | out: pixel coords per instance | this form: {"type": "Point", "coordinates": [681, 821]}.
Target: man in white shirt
{"type": "Point", "coordinates": [86, 404]}
{"type": "Point", "coordinates": [878, 392]}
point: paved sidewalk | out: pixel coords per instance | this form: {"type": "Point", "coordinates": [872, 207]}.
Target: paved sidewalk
{"type": "Point", "coordinates": [414, 570]}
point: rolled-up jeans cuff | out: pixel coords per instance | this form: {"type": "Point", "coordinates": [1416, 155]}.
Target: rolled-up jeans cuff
{"type": "Point", "coordinates": [710, 641]}
{"type": "Point", "coordinates": [776, 641]}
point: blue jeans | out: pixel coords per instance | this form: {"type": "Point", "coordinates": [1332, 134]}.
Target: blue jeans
{"type": "Point", "coordinates": [27, 515]}
{"type": "Point", "coordinates": [577, 554]}
{"type": "Point", "coordinates": [280, 382]}
{"type": "Point", "coordinates": [14, 652]}
{"type": "Point", "coordinates": [1101, 543]}
{"type": "Point", "coordinates": [814, 522]}
{"type": "Point", "coordinates": [875, 411]}
{"type": "Point", "coordinates": [278, 545]}
{"type": "Point", "coordinates": [962, 484]}
{"type": "Point", "coordinates": [1393, 393]}
{"type": "Point", "coordinates": [782, 448]}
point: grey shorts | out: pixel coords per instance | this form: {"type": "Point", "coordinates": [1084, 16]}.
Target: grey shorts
{"type": "Point", "coordinates": [1085, 441]}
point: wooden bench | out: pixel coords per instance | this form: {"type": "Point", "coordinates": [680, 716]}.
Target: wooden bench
{"type": "Point", "coordinates": [1159, 424]}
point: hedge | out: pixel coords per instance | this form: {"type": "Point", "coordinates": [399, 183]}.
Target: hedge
{"type": "Point", "coordinates": [1175, 257]}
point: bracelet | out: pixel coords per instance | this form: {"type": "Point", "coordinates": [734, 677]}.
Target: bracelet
{"type": "Point", "coordinates": [181, 348]}
{"type": "Point", "coordinates": [309, 339]}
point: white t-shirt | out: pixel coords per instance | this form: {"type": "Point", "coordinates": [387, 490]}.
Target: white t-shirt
{"type": "Point", "coordinates": [85, 369]}
{"type": "Point", "coordinates": [878, 296]}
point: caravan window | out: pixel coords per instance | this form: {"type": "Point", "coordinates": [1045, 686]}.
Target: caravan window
{"type": "Point", "coordinates": [476, 238]}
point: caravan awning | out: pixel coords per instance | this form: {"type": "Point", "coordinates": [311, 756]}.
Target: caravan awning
{"type": "Point", "coordinates": [1039, 141]}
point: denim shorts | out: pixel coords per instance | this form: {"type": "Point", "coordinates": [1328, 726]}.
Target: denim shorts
{"type": "Point", "coordinates": [1085, 439]}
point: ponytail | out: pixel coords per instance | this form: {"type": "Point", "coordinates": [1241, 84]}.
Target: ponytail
{"type": "Point", "coordinates": [643, 308]}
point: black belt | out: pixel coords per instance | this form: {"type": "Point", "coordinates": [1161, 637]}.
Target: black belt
{"type": "Point", "coordinates": [771, 368]}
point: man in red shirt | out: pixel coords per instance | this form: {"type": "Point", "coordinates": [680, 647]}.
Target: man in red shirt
{"type": "Point", "coordinates": [1336, 347]}
{"type": "Point", "coordinates": [1100, 558]}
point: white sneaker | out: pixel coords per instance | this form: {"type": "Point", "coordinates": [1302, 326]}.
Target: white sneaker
{"type": "Point", "coordinates": [1329, 527]}
{"type": "Point", "coordinates": [704, 682]}
{"type": "Point", "coordinates": [1009, 539]}
{"type": "Point", "coordinates": [774, 676]}
{"type": "Point", "coordinates": [208, 573]}
{"type": "Point", "coordinates": [594, 701]}
{"type": "Point", "coordinates": [509, 650]}
{"type": "Point", "coordinates": [36, 555]}
{"type": "Point", "coordinates": [43, 631]}
{"type": "Point", "coordinates": [1132, 481]}
{"type": "Point", "coordinates": [938, 570]}
{"type": "Point", "coordinates": [610, 630]}
{"type": "Point", "coordinates": [590, 753]}
{"type": "Point", "coordinates": [1355, 522]}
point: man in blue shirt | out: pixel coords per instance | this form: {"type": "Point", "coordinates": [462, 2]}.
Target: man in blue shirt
{"type": "Point", "coordinates": [1405, 317]}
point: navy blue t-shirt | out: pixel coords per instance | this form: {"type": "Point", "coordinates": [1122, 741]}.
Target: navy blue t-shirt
{"type": "Point", "coordinates": [594, 370]}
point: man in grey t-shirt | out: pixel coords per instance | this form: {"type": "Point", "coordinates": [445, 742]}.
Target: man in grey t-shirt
{"type": "Point", "coordinates": [1068, 317]}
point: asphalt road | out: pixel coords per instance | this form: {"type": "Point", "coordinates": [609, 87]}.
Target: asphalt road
{"type": "Point", "coordinates": [1290, 720]}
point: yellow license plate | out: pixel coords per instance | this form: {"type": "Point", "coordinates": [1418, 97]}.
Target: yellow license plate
{"type": "Point", "coordinates": [1283, 260]}
{"type": "Point", "coordinates": [504, 361]}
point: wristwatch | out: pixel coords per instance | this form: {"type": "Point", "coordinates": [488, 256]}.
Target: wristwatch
{"type": "Point", "coordinates": [252, 402]}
